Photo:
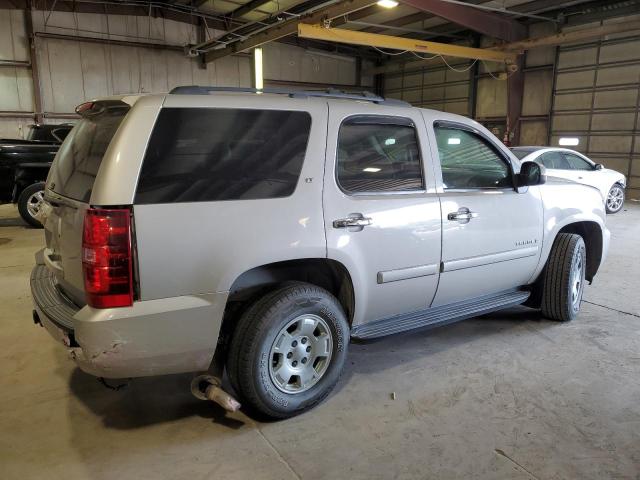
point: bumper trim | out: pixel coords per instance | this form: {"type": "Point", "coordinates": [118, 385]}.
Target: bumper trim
{"type": "Point", "coordinates": [50, 300]}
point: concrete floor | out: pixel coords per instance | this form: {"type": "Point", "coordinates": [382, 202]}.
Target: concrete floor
{"type": "Point", "coordinates": [505, 396]}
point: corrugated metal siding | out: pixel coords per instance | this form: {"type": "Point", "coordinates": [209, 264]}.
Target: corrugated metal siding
{"type": "Point", "coordinates": [437, 87]}
{"type": "Point", "coordinates": [596, 99]}
{"type": "Point", "coordinates": [72, 71]}
{"type": "Point", "coordinates": [16, 88]}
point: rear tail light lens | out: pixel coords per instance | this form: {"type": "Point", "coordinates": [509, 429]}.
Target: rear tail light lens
{"type": "Point", "coordinates": [106, 258]}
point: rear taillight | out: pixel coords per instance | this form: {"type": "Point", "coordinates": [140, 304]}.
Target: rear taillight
{"type": "Point", "coordinates": [106, 258]}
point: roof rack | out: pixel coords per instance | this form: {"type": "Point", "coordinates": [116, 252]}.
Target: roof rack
{"type": "Point", "coordinates": [329, 93]}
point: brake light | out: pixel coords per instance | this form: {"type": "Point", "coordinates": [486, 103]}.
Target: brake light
{"type": "Point", "coordinates": [106, 258]}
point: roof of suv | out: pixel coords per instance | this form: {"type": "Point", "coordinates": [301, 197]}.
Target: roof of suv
{"type": "Point", "coordinates": [328, 93]}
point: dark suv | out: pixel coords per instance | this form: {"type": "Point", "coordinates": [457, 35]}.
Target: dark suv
{"type": "Point", "coordinates": [24, 164]}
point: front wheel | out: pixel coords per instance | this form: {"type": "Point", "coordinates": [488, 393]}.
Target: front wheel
{"type": "Point", "coordinates": [288, 350]}
{"type": "Point", "coordinates": [615, 199]}
{"type": "Point", "coordinates": [30, 202]}
{"type": "Point", "coordinates": [564, 278]}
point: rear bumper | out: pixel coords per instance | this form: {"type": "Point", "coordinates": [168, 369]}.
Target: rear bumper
{"type": "Point", "coordinates": [153, 337]}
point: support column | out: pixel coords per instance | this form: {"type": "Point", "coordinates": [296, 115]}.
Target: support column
{"type": "Point", "coordinates": [515, 92]}
{"type": "Point", "coordinates": [35, 71]}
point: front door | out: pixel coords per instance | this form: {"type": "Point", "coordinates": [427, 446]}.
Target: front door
{"type": "Point", "coordinates": [491, 233]}
{"type": "Point", "coordinates": [382, 213]}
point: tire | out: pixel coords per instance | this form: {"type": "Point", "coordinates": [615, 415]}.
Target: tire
{"type": "Point", "coordinates": [615, 199]}
{"type": "Point", "coordinates": [271, 342]}
{"type": "Point", "coordinates": [29, 203]}
{"type": "Point", "coordinates": [564, 278]}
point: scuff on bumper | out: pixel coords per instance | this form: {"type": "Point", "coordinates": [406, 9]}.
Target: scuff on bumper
{"type": "Point", "coordinates": [152, 337]}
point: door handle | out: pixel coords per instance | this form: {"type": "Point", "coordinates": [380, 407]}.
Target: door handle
{"type": "Point", "coordinates": [353, 220]}
{"type": "Point", "coordinates": [463, 215]}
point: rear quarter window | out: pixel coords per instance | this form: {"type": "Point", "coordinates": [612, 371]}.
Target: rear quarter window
{"type": "Point", "coordinates": [214, 154]}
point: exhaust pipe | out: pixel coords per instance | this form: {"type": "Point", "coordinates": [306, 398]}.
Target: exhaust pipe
{"type": "Point", "coordinates": [208, 387]}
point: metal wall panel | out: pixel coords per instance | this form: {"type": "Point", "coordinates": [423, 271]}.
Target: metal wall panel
{"type": "Point", "coordinates": [74, 70]}
{"type": "Point", "coordinates": [16, 88]}
{"type": "Point", "coordinates": [437, 87]}
{"type": "Point", "coordinates": [537, 92]}
{"type": "Point", "coordinates": [533, 132]}
{"type": "Point", "coordinates": [492, 98]}
{"type": "Point", "coordinates": [597, 98]}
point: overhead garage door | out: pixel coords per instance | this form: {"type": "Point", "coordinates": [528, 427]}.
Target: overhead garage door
{"type": "Point", "coordinates": [596, 99]}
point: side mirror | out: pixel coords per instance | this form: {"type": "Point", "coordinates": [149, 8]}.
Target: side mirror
{"type": "Point", "coordinates": [599, 166]}
{"type": "Point", "coordinates": [531, 173]}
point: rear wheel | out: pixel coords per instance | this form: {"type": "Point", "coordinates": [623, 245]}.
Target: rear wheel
{"type": "Point", "coordinates": [615, 199]}
{"type": "Point", "coordinates": [30, 202]}
{"type": "Point", "coordinates": [288, 350]}
{"type": "Point", "coordinates": [564, 278]}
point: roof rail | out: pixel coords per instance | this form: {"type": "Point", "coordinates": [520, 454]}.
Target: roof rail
{"type": "Point", "coordinates": [329, 93]}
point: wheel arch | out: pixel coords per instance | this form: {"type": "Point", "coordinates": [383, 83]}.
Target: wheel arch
{"type": "Point", "coordinates": [27, 175]}
{"type": "Point", "coordinates": [256, 282]}
{"type": "Point", "coordinates": [591, 233]}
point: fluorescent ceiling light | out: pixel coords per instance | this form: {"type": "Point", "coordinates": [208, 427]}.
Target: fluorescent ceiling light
{"type": "Point", "coordinates": [257, 68]}
{"type": "Point", "coordinates": [569, 141]}
{"type": "Point", "coordinates": [371, 169]}
{"type": "Point", "coordinates": [453, 141]}
{"type": "Point", "coordinates": [388, 3]}
{"type": "Point", "coordinates": [390, 141]}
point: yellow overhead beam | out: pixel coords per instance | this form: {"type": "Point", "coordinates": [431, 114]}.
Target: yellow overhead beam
{"type": "Point", "coordinates": [318, 32]}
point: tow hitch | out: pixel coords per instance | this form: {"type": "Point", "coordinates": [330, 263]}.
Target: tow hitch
{"type": "Point", "coordinates": [208, 387]}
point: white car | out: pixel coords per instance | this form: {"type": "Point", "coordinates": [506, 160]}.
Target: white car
{"type": "Point", "coordinates": [572, 165]}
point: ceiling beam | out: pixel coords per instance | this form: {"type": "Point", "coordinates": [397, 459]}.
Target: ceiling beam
{"type": "Point", "coordinates": [318, 32]}
{"type": "Point", "coordinates": [167, 11]}
{"type": "Point", "coordinates": [283, 29]}
{"type": "Point", "coordinates": [481, 21]}
{"type": "Point", "coordinates": [517, 47]}
{"type": "Point", "coordinates": [570, 37]}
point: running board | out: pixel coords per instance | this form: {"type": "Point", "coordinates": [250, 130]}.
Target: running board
{"type": "Point", "coordinates": [437, 316]}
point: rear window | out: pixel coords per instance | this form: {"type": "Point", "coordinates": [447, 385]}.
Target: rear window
{"type": "Point", "coordinates": [212, 154]}
{"type": "Point", "coordinates": [79, 157]}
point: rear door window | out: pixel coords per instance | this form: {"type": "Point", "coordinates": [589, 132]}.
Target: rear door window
{"type": "Point", "coordinates": [79, 158]}
{"type": "Point", "coordinates": [378, 154]}
{"type": "Point", "coordinates": [213, 154]}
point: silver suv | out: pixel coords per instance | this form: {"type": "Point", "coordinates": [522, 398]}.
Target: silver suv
{"type": "Point", "coordinates": [212, 228]}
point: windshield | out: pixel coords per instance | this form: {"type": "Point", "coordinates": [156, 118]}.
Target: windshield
{"type": "Point", "coordinates": [76, 165]}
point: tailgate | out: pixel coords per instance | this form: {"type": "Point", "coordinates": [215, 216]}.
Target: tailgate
{"type": "Point", "coordinates": [68, 191]}
{"type": "Point", "coordinates": [63, 238]}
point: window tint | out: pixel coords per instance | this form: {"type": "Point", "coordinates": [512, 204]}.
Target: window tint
{"type": "Point", "coordinates": [79, 158]}
{"type": "Point", "coordinates": [577, 163]}
{"type": "Point", "coordinates": [469, 161]}
{"type": "Point", "coordinates": [210, 154]}
{"type": "Point", "coordinates": [554, 160]}
{"type": "Point", "coordinates": [374, 156]}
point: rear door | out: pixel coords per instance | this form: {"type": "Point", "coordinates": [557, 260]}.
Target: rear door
{"type": "Point", "coordinates": [491, 233]}
{"type": "Point", "coordinates": [69, 188]}
{"type": "Point", "coordinates": [382, 214]}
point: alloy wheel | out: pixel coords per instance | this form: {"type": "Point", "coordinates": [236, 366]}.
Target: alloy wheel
{"type": "Point", "coordinates": [300, 354]}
